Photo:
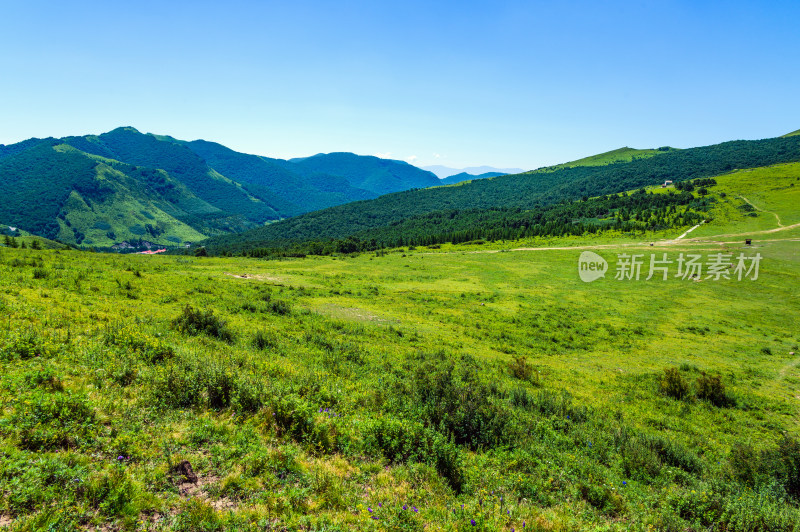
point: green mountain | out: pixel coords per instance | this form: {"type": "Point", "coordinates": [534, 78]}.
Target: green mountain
{"type": "Point", "coordinates": [380, 176]}
{"type": "Point", "coordinates": [792, 134]}
{"type": "Point", "coordinates": [464, 176]}
{"type": "Point", "coordinates": [123, 185]}
{"type": "Point", "coordinates": [294, 193]}
{"type": "Point", "coordinates": [529, 190]}
{"type": "Point", "coordinates": [59, 192]}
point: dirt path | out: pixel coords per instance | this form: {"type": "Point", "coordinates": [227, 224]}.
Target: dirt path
{"type": "Point", "coordinates": [688, 231]}
{"type": "Point", "coordinates": [762, 210]}
{"type": "Point", "coordinates": [748, 233]}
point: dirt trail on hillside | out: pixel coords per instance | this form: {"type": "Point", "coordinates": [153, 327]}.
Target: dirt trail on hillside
{"type": "Point", "coordinates": [762, 210]}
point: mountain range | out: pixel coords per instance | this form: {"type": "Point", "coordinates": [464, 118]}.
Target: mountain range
{"type": "Point", "coordinates": [126, 186]}
{"type": "Point", "coordinates": [609, 173]}
{"type": "Point", "coordinates": [446, 171]}
{"type": "Point", "coordinates": [98, 190]}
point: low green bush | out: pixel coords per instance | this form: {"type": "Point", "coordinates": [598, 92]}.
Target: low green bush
{"type": "Point", "coordinates": [673, 384]}
{"type": "Point", "coordinates": [196, 322]}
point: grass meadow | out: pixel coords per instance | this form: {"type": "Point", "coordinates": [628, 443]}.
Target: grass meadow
{"type": "Point", "coordinates": [458, 388]}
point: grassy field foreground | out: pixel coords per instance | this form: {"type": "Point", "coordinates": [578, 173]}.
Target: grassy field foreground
{"type": "Point", "coordinates": [457, 388]}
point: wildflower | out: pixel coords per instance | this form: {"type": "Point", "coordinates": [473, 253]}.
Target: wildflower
{"type": "Point", "coordinates": [369, 509]}
{"type": "Point", "coordinates": [120, 458]}
{"type": "Point", "coordinates": [380, 505]}
{"type": "Point", "coordinates": [624, 483]}
{"type": "Point", "coordinates": [405, 507]}
{"type": "Point", "coordinates": [375, 517]}
{"type": "Point", "coordinates": [415, 509]}
{"type": "Point", "coordinates": [472, 521]}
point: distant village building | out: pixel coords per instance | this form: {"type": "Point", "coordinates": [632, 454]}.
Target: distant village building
{"type": "Point", "coordinates": [666, 184]}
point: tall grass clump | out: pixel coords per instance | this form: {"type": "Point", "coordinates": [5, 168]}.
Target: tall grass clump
{"type": "Point", "coordinates": [198, 321]}
{"type": "Point", "coordinates": [673, 384]}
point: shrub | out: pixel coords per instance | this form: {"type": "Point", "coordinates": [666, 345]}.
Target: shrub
{"type": "Point", "coordinates": [265, 339]}
{"type": "Point", "coordinates": [711, 389]}
{"type": "Point", "coordinates": [459, 407]}
{"type": "Point", "coordinates": [196, 322]}
{"type": "Point", "coordinates": [673, 384]}
{"type": "Point", "coordinates": [520, 368]}
{"type": "Point", "coordinates": [279, 307]}
{"type": "Point", "coordinates": [603, 498]}
{"type": "Point", "coordinates": [39, 273]}
{"type": "Point", "coordinates": [176, 386]}
{"type": "Point", "coordinates": [403, 442]}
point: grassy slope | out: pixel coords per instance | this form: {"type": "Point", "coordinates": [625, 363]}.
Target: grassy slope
{"type": "Point", "coordinates": [527, 190]}
{"type": "Point", "coordinates": [614, 156]}
{"type": "Point", "coordinates": [793, 133]}
{"type": "Point", "coordinates": [352, 338]}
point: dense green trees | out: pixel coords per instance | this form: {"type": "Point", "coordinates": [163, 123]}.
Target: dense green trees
{"type": "Point", "coordinates": [529, 191]}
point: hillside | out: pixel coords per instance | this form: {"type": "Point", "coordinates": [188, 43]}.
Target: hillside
{"type": "Point", "coordinates": [379, 176]}
{"type": "Point", "coordinates": [525, 191]}
{"type": "Point", "coordinates": [124, 186]}
{"type": "Point", "coordinates": [446, 171]}
{"type": "Point", "coordinates": [793, 133]}
{"type": "Point", "coordinates": [619, 155]}
{"type": "Point", "coordinates": [464, 176]}
{"type": "Point", "coordinates": [460, 388]}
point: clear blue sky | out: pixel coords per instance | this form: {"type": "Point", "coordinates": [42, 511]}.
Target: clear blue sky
{"type": "Point", "coordinates": [502, 83]}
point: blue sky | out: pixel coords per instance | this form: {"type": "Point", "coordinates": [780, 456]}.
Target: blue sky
{"type": "Point", "coordinates": [509, 84]}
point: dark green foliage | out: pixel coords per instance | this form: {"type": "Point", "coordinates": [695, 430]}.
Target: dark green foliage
{"type": "Point", "coordinates": [603, 498]}
{"type": "Point", "coordinates": [198, 321]}
{"type": "Point", "coordinates": [520, 368]}
{"type": "Point", "coordinates": [264, 340]}
{"type": "Point", "coordinates": [403, 442]}
{"type": "Point", "coordinates": [637, 212]}
{"type": "Point", "coordinates": [644, 456]}
{"type": "Point", "coordinates": [453, 401]}
{"type": "Point", "coordinates": [779, 464]}
{"type": "Point", "coordinates": [37, 182]}
{"type": "Point", "coordinates": [554, 404]}
{"type": "Point", "coordinates": [278, 306]}
{"type": "Point", "coordinates": [710, 388]}
{"type": "Point", "coordinates": [673, 384]}
{"type": "Point", "coordinates": [531, 190]}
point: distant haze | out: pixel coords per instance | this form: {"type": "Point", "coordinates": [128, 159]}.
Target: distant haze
{"type": "Point", "coordinates": [445, 171]}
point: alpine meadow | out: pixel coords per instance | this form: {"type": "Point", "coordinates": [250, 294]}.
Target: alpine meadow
{"type": "Point", "coordinates": [413, 266]}
{"type": "Point", "coordinates": [431, 369]}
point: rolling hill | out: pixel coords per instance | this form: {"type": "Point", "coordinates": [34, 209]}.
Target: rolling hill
{"type": "Point", "coordinates": [99, 190]}
{"type": "Point", "coordinates": [464, 176]}
{"type": "Point", "coordinates": [446, 171]}
{"type": "Point", "coordinates": [529, 190]}
{"type": "Point", "coordinates": [380, 176]}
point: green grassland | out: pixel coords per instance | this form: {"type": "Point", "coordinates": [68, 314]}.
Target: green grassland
{"type": "Point", "coordinates": [461, 387]}
{"type": "Point", "coordinates": [620, 155]}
